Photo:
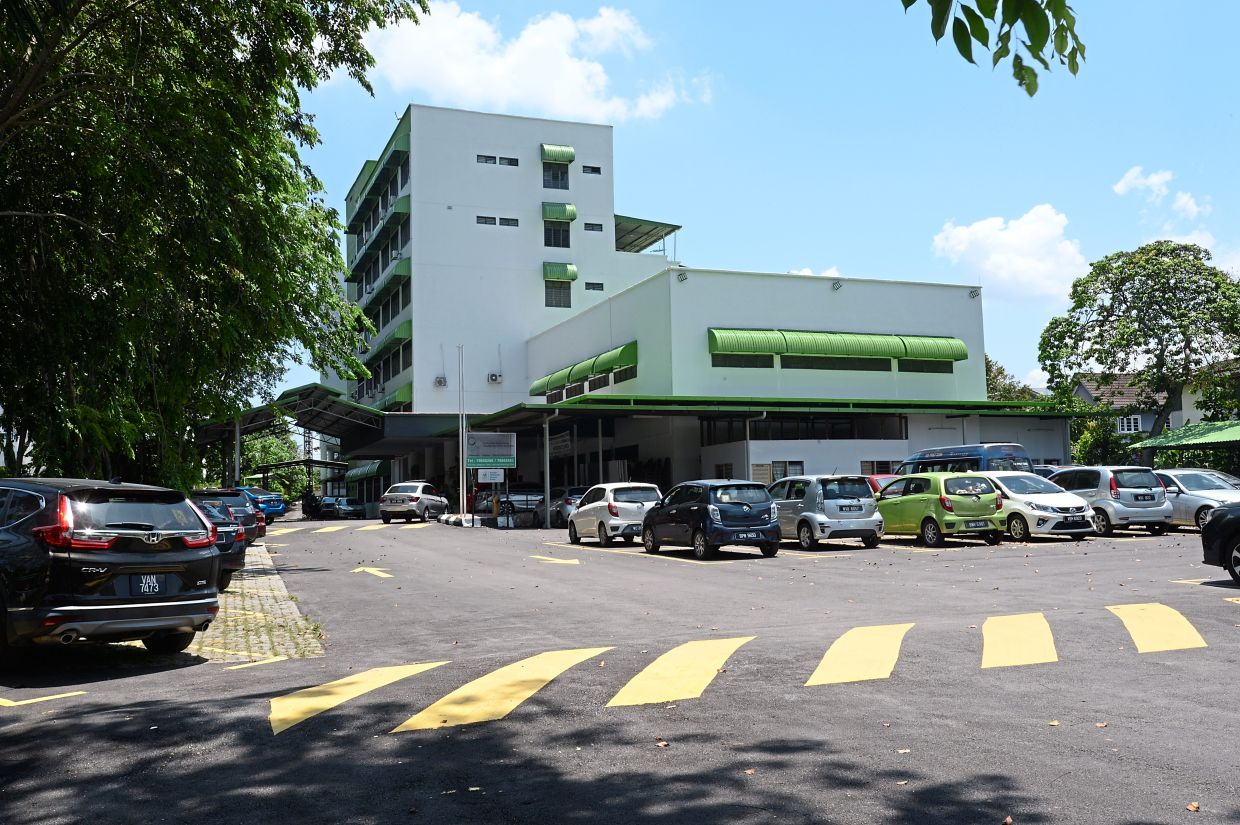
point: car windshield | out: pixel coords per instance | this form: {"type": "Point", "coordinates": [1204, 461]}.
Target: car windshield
{"type": "Point", "coordinates": [633, 495]}
{"type": "Point", "coordinates": [100, 510]}
{"type": "Point", "coordinates": [1201, 481]}
{"type": "Point", "coordinates": [1142, 477]}
{"type": "Point", "coordinates": [740, 494]}
{"type": "Point", "coordinates": [836, 488]}
{"type": "Point", "coordinates": [968, 486]}
{"type": "Point", "coordinates": [259, 491]}
{"type": "Point", "coordinates": [403, 488]}
{"type": "Point", "coordinates": [1227, 477]}
{"type": "Point", "coordinates": [1029, 485]}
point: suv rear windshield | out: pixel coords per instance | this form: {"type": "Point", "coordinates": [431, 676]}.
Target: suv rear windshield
{"type": "Point", "coordinates": [845, 488]}
{"type": "Point", "coordinates": [101, 509]}
{"type": "Point", "coordinates": [740, 494]}
{"type": "Point", "coordinates": [633, 495]}
{"type": "Point", "coordinates": [969, 486]}
{"type": "Point", "coordinates": [1128, 479]}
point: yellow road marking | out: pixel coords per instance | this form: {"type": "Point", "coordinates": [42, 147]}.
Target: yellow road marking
{"type": "Point", "coordinates": [1232, 600]}
{"type": "Point", "coordinates": [282, 531]}
{"type": "Point", "coordinates": [1155, 627]}
{"type": "Point", "coordinates": [381, 572]}
{"type": "Point", "coordinates": [684, 672]}
{"type": "Point", "coordinates": [259, 662]}
{"type": "Point", "coordinates": [552, 560]}
{"type": "Point", "coordinates": [1189, 581]}
{"type": "Point", "coordinates": [273, 544]}
{"type": "Point", "coordinates": [938, 550]}
{"type": "Point", "coordinates": [379, 526]}
{"type": "Point", "coordinates": [295, 708]}
{"type": "Point", "coordinates": [1020, 639]}
{"type": "Point", "coordinates": [218, 650]}
{"type": "Point", "coordinates": [332, 528]}
{"type": "Point", "coordinates": [861, 654]}
{"type": "Point", "coordinates": [12, 703]}
{"type": "Point", "coordinates": [498, 693]}
{"type": "Point", "coordinates": [415, 526]}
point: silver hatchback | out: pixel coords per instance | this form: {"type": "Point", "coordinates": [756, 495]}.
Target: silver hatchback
{"type": "Point", "coordinates": [1194, 493]}
{"type": "Point", "coordinates": [823, 508]}
{"type": "Point", "coordinates": [1120, 497]}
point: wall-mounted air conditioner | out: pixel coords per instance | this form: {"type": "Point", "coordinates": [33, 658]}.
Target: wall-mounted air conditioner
{"type": "Point", "coordinates": [495, 378]}
{"type": "Point", "coordinates": [441, 381]}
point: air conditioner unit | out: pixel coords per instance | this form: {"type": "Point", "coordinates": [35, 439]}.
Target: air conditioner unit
{"type": "Point", "coordinates": [441, 381]}
{"type": "Point", "coordinates": [381, 389]}
{"type": "Point", "coordinates": [370, 288]}
{"type": "Point", "coordinates": [396, 256]}
{"type": "Point", "coordinates": [495, 378]}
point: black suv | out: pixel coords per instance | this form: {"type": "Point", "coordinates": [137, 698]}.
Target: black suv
{"type": "Point", "coordinates": [102, 562]}
{"type": "Point", "coordinates": [231, 540]}
{"type": "Point", "coordinates": [235, 504]}
{"type": "Point", "coordinates": [1220, 539]}
{"type": "Point", "coordinates": [706, 515]}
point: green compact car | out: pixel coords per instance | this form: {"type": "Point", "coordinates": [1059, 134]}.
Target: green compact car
{"type": "Point", "coordinates": [936, 505]}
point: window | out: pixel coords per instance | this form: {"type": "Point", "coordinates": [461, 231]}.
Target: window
{"type": "Point", "coordinates": [624, 374]}
{"type": "Point", "coordinates": [591, 170]}
{"type": "Point", "coordinates": [486, 220]}
{"type": "Point", "coordinates": [486, 158]}
{"type": "Point", "coordinates": [406, 355]}
{"type": "Point", "coordinates": [723, 471]}
{"type": "Point", "coordinates": [783, 469]}
{"type": "Point", "coordinates": [509, 222]}
{"type": "Point", "coordinates": [555, 233]}
{"type": "Point", "coordinates": [796, 490]}
{"type": "Point", "coordinates": [508, 162]}
{"type": "Point", "coordinates": [594, 286]}
{"type": "Point", "coordinates": [719, 359]}
{"type": "Point", "coordinates": [22, 505]}
{"type": "Point", "coordinates": [558, 293]}
{"type": "Point", "coordinates": [878, 468]}
{"type": "Point", "coordinates": [925, 365]}
{"type": "Point", "coordinates": [1129, 424]}
{"type": "Point", "coordinates": [894, 489]}
{"type": "Point", "coordinates": [821, 362]}
{"type": "Point", "coordinates": [555, 176]}
{"type": "Point", "coordinates": [594, 227]}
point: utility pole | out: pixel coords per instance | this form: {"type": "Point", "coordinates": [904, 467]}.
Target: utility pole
{"type": "Point", "coordinates": [460, 421]}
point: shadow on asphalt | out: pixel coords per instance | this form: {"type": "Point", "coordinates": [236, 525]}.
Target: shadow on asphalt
{"type": "Point", "coordinates": [74, 665]}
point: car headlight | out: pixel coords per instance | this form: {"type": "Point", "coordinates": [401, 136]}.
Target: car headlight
{"type": "Point", "coordinates": [1041, 508]}
{"type": "Point", "coordinates": [714, 513]}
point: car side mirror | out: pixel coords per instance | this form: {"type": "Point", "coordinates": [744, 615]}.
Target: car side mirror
{"type": "Point", "coordinates": [1175, 491]}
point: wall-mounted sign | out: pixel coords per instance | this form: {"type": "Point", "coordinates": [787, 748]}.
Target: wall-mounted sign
{"type": "Point", "coordinates": [490, 450]}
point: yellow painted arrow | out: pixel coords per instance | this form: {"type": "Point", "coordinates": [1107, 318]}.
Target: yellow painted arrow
{"type": "Point", "coordinates": [552, 560]}
{"type": "Point", "coordinates": [10, 703]}
{"type": "Point", "coordinates": [374, 571]}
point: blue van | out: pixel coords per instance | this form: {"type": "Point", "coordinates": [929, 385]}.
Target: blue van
{"type": "Point", "coordinates": [968, 458]}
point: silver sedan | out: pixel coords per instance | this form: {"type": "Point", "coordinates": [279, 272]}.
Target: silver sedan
{"type": "Point", "coordinates": [1193, 493]}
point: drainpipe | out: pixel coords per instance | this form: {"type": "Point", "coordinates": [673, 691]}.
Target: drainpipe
{"type": "Point", "coordinates": [547, 469]}
{"type": "Point", "coordinates": [748, 464]}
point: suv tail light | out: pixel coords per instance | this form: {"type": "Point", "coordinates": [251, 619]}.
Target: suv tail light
{"type": "Point", "coordinates": [1114, 489]}
{"type": "Point", "coordinates": [213, 532]}
{"type": "Point", "coordinates": [613, 509]}
{"type": "Point", "coordinates": [998, 501]}
{"type": "Point", "coordinates": [260, 520]}
{"type": "Point", "coordinates": [240, 535]}
{"type": "Point", "coordinates": [947, 504]}
{"type": "Point", "coordinates": [61, 534]}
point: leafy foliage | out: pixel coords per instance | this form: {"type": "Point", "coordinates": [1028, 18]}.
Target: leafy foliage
{"type": "Point", "coordinates": [1049, 28]}
{"type": "Point", "coordinates": [1001, 385]}
{"type": "Point", "coordinates": [269, 447]}
{"type": "Point", "coordinates": [163, 249]}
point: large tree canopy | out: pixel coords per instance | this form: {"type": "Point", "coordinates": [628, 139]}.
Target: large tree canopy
{"type": "Point", "coordinates": [1161, 313]}
{"type": "Point", "coordinates": [163, 249]}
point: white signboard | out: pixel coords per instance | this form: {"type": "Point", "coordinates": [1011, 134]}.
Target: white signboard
{"type": "Point", "coordinates": [490, 450]}
{"type": "Point", "coordinates": [491, 475]}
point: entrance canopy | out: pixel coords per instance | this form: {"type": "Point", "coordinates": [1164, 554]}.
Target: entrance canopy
{"type": "Point", "coordinates": [315, 407]}
{"type": "Point", "coordinates": [1212, 434]}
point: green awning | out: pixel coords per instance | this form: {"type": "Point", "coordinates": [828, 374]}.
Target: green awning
{"type": "Point", "coordinates": [614, 359]}
{"type": "Point", "coordinates": [539, 387]}
{"type": "Point", "coordinates": [835, 344]}
{"type": "Point", "coordinates": [559, 212]}
{"type": "Point", "coordinates": [367, 469]}
{"type": "Point", "coordinates": [403, 395]}
{"type": "Point", "coordinates": [558, 379]}
{"type": "Point", "coordinates": [581, 370]}
{"type": "Point", "coordinates": [1209, 434]}
{"type": "Point", "coordinates": [559, 272]}
{"type": "Point", "coordinates": [554, 153]}
{"type": "Point", "coordinates": [399, 335]}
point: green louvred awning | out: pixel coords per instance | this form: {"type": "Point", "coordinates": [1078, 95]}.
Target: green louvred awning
{"type": "Point", "coordinates": [559, 212]}
{"type": "Point", "coordinates": [835, 344]}
{"type": "Point", "coordinates": [367, 469]}
{"type": "Point", "coordinates": [559, 272]}
{"type": "Point", "coordinates": [1207, 434]}
{"type": "Point", "coordinates": [581, 370]}
{"type": "Point", "coordinates": [614, 359]}
{"type": "Point", "coordinates": [555, 153]}
{"type": "Point", "coordinates": [610, 361]}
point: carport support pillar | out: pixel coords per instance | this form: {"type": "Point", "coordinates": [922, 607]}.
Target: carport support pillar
{"type": "Point", "coordinates": [236, 452]}
{"type": "Point", "coordinates": [546, 445]}
{"type": "Point", "coordinates": [602, 475]}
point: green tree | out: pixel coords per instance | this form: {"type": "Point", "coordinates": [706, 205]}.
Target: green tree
{"type": "Point", "coordinates": [1001, 385]}
{"type": "Point", "coordinates": [163, 248]}
{"type": "Point", "coordinates": [1160, 312]}
{"type": "Point", "coordinates": [257, 449]}
{"type": "Point", "coordinates": [1049, 28]}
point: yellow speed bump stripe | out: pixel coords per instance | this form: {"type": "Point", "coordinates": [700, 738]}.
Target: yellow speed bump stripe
{"type": "Point", "coordinates": [497, 694]}
{"type": "Point", "coordinates": [683, 672]}
{"type": "Point", "coordinates": [294, 708]}
{"type": "Point", "coordinates": [282, 531]}
{"type": "Point", "coordinates": [1020, 639]}
{"type": "Point", "coordinates": [332, 528]}
{"type": "Point", "coordinates": [861, 654]}
{"type": "Point", "coordinates": [379, 526]}
{"type": "Point", "coordinates": [1155, 627]}
{"type": "Point", "coordinates": [13, 703]}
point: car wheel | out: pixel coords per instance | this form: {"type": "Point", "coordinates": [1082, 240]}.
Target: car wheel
{"type": "Point", "coordinates": [169, 642]}
{"type": "Point", "coordinates": [1102, 523]}
{"type": "Point", "coordinates": [770, 549]}
{"type": "Point", "coordinates": [225, 580]}
{"type": "Point", "coordinates": [1231, 562]}
{"type": "Point", "coordinates": [1202, 515]}
{"type": "Point", "coordinates": [805, 535]}
{"type": "Point", "coordinates": [1157, 529]}
{"type": "Point", "coordinates": [573, 538]}
{"type": "Point", "coordinates": [870, 541]}
{"type": "Point", "coordinates": [931, 535]}
{"type": "Point", "coordinates": [386, 519]}
{"type": "Point", "coordinates": [994, 537]}
{"type": "Point", "coordinates": [702, 549]}
{"type": "Point", "coordinates": [425, 515]}
{"type": "Point", "coordinates": [604, 538]}
{"type": "Point", "coordinates": [648, 542]}
{"type": "Point", "coordinates": [1018, 528]}
{"type": "Point", "coordinates": [506, 508]}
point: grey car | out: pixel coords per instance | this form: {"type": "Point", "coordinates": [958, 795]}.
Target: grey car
{"type": "Point", "coordinates": [412, 499]}
{"type": "Point", "coordinates": [1120, 497]}
{"type": "Point", "coordinates": [822, 508]}
{"type": "Point", "coordinates": [1194, 493]}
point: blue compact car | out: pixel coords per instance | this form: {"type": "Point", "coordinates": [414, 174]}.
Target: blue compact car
{"type": "Point", "coordinates": [708, 514]}
{"type": "Point", "coordinates": [270, 504]}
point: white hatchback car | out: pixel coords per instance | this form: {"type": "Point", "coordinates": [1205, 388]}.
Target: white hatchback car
{"type": "Point", "coordinates": [1037, 507]}
{"type": "Point", "coordinates": [611, 511]}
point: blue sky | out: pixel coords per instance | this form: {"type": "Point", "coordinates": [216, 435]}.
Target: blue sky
{"type": "Point", "coordinates": [820, 136]}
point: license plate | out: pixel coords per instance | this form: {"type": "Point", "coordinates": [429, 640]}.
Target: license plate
{"type": "Point", "coordinates": [747, 535]}
{"type": "Point", "coordinates": [1145, 497]}
{"type": "Point", "coordinates": [148, 584]}
{"type": "Point", "coordinates": [975, 525]}
{"type": "Point", "coordinates": [850, 508]}
{"type": "Point", "coordinates": [1074, 518]}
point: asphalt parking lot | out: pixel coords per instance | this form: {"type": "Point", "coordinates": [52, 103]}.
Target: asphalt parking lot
{"type": "Point", "coordinates": [476, 675]}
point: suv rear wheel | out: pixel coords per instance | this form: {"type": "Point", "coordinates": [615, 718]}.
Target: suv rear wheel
{"type": "Point", "coordinates": [1231, 562]}
{"type": "Point", "coordinates": [169, 642]}
{"type": "Point", "coordinates": [226, 577]}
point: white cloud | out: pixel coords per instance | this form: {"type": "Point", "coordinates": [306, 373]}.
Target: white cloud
{"type": "Point", "coordinates": [826, 273]}
{"type": "Point", "coordinates": [1201, 237]}
{"type": "Point", "coordinates": [1026, 256]}
{"type": "Point", "coordinates": [1187, 205]}
{"type": "Point", "coordinates": [1037, 379]}
{"type": "Point", "coordinates": [551, 67]}
{"type": "Point", "coordinates": [1229, 261]}
{"type": "Point", "coordinates": [1155, 182]}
